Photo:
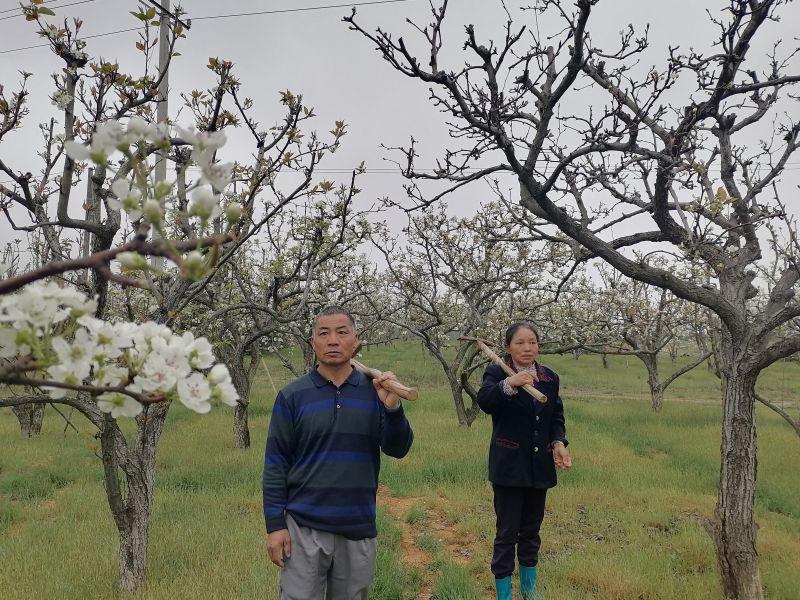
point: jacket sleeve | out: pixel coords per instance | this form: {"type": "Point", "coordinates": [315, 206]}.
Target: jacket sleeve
{"type": "Point", "coordinates": [491, 397]}
{"type": "Point", "coordinates": [278, 457]}
{"type": "Point", "coordinates": [396, 433]}
{"type": "Point", "coordinates": [558, 429]}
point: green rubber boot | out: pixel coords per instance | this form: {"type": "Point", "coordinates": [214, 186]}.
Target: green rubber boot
{"type": "Point", "coordinates": [527, 582]}
{"type": "Point", "coordinates": [503, 587]}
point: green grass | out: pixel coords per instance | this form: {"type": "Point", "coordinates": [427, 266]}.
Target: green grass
{"type": "Point", "coordinates": [625, 522]}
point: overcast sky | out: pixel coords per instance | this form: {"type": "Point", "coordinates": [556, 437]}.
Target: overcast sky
{"type": "Point", "coordinates": [338, 71]}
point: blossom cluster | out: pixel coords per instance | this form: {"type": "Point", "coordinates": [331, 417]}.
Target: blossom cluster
{"type": "Point", "coordinates": [140, 198]}
{"type": "Point", "coordinates": [54, 326]}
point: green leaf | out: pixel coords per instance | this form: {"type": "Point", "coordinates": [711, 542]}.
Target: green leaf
{"type": "Point", "coordinates": [151, 12]}
{"type": "Point", "coordinates": [46, 11]}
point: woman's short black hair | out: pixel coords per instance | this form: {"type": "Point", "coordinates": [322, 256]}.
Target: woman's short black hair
{"type": "Point", "coordinates": [516, 326]}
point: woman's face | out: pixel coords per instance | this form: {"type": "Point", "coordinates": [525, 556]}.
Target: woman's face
{"type": "Point", "coordinates": [524, 347]}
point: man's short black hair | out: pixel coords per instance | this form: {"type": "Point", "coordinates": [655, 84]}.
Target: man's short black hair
{"type": "Point", "coordinates": [333, 309]}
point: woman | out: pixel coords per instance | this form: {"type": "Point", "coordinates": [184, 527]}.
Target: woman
{"type": "Point", "coordinates": [528, 442]}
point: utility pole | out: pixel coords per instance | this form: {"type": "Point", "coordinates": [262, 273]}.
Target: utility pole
{"type": "Point", "coordinates": [92, 216]}
{"type": "Point", "coordinates": [162, 110]}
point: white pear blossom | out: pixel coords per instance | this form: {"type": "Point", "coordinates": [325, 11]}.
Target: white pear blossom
{"type": "Point", "coordinates": [218, 374]}
{"type": "Point", "coordinates": [111, 375]}
{"type": "Point", "coordinates": [144, 335]}
{"type": "Point", "coordinates": [158, 134]}
{"type": "Point", "coordinates": [194, 392]}
{"type": "Point", "coordinates": [201, 355]}
{"type": "Point", "coordinates": [219, 175]}
{"type": "Point", "coordinates": [205, 203]}
{"type": "Point", "coordinates": [203, 140]}
{"type": "Point", "coordinates": [222, 387]}
{"type": "Point", "coordinates": [107, 138]}
{"type": "Point", "coordinates": [109, 341]}
{"type": "Point", "coordinates": [129, 199]}
{"type": "Point", "coordinates": [138, 128]}
{"type": "Point", "coordinates": [76, 151]}
{"type": "Point", "coordinates": [119, 405]}
{"type": "Point", "coordinates": [226, 393]}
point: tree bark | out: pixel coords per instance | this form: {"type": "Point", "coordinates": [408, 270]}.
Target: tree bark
{"type": "Point", "coordinates": [466, 416]}
{"type": "Point", "coordinates": [30, 417]}
{"type": "Point", "coordinates": [132, 508]}
{"type": "Point", "coordinates": [241, 425]}
{"type": "Point", "coordinates": [656, 389]}
{"type": "Point", "coordinates": [734, 529]}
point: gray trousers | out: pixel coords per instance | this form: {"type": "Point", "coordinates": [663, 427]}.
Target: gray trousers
{"type": "Point", "coordinates": [326, 566]}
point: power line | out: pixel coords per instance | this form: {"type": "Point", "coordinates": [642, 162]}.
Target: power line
{"type": "Point", "coordinates": [209, 17]}
{"type": "Point", "coordinates": [304, 8]}
{"type": "Point", "coordinates": [86, 37]}
{"type": "Point", "coordinates": [19, 14]}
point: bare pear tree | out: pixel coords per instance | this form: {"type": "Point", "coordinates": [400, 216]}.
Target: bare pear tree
{"type": "Point", "coordinates": [641, 321]}
{"type": "Point", "coordinates": [451, 278]}
{"type": "Point", "coordinates": [270, 291]}
{"type": "Point", "coordinates": [685, 158]}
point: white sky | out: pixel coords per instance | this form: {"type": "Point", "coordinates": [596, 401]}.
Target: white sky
{"type": "Point", "coordinates": [337, 71]}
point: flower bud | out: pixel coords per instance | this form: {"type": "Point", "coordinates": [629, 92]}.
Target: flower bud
{"type": "Point", "coordinates": [194, 266]}
{"type": "Point", "coordinates": [132, 261]}
{"type": "Point", "coordinates": [233, 212]}
{"type": "Point", "coordinates": [152, 212]}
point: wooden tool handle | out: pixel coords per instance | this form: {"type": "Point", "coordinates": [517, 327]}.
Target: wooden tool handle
{"type": "Point", "coordinates": [396, 387]}
{"type": "Point", "coordinates": [509, 371]}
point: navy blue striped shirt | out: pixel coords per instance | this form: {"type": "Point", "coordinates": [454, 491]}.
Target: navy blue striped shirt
{"type": "Point", "coordinates": [323, 454]}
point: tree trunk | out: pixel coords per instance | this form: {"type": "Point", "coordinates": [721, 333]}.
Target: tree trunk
{"type": "Point", "coordinates": [734, 530]}
{"type": "Point", "coordinates": [133, 542]}
{"type": "Point", "coordinates": [656, 389]}
{"type": "Point", "coordinates": [132, 510]}
{"type": "Point", "coordinates": [466, 416]}
{"type": "Point", "coordinates": [30, 417]}
{"type": "Point", "coordinates": [241, 426]}
{"type": "Point", "coordinates": [242, 378]}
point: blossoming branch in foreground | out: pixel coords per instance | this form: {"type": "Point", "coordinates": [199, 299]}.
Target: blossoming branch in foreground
{"type": "Point", "coordinates": [53, 326]}
{"type": "Point", "coordinates": [143, 198]}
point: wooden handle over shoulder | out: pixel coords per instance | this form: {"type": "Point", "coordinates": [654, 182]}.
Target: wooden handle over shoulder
{"type": "Point", "coordinates": [408, 393]}
{"type": "Point", "coordinates": [509, 371]}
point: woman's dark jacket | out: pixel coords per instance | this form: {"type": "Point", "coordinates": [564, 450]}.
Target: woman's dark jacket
{"type": "Point", "coordinates": [523, 429]}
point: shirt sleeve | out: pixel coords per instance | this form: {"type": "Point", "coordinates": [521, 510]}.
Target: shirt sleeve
{"type": "Point", "coordinates": [280, 446]}
{"type": "Point", "coordinates": [558, 427]}
{"type": "Point", "coordinates": [492, 397]}
{"type": "Point", "coordinates": [396, 433]}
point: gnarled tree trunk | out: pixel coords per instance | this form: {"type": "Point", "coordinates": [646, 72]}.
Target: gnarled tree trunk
{"type": "Point", "coordinates": [132, 508]}
{"type": "Point", "coordinates": [30, 417]}
{"type": "Point", "coordinates": [656, 389]}
{"type": "Point", "coordinates": [734, 529]}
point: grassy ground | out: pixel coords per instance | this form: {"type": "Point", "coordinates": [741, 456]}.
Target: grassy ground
{"type": "Point", "coordinates": [625, 522]}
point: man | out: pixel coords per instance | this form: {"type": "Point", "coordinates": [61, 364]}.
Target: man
{"type": "Point", "coordinates": [326, 433]}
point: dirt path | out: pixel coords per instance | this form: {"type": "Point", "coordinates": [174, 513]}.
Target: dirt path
{"type": "Point", "coordinates": [435, 523]}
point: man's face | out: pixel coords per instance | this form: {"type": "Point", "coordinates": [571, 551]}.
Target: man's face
{"type": "Point", "coordinates": [334, 340]}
